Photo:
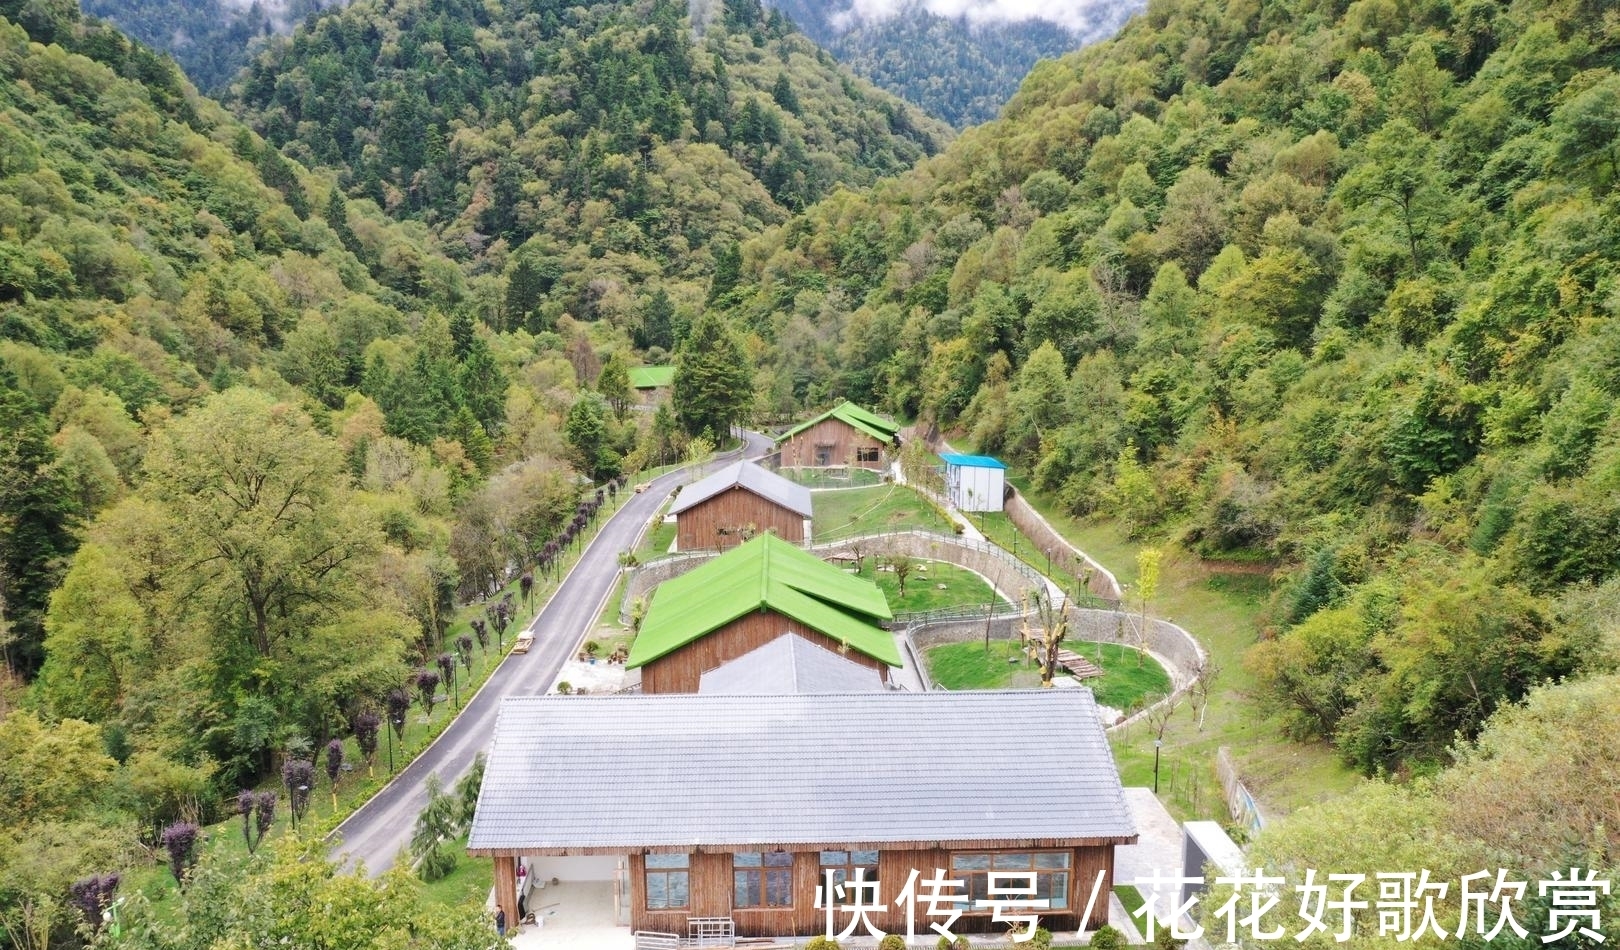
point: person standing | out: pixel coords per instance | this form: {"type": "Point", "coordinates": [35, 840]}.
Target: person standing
{"type": "Point", "coordinates": [500, 921]}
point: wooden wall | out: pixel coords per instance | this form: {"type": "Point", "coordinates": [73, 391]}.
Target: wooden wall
{"type": "Point", "coordinates": [800, 451]}
{"type": "Point", "coordinates": [698, 528]}
{"type": "Point", "coordinates": [711, 893]}
{"type": "Point", "coordinates": [681, 671]}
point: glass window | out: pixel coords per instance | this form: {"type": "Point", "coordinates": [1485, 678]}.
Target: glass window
{"type": "Point", "coordinates": [1050, 870]}
{"type": "Point", "coordinates": [762, 879]}
{"type": "Point", "coordinates": [843, 864]}
{"type": "Point", "coordinates": [866, 454]}
{"type": "Point", "coordinates": [666, 880]}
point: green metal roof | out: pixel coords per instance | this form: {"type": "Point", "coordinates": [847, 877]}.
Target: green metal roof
{"type": "Point", "coordinates": [651, 377]}
{"type": "Point", "coordinates": [766, 573]}
{"type": "Point", "coordinates": [884, 430]}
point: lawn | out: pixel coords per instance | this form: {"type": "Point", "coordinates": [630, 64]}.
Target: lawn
{"type": "Point", "coordinates": [656, 542]}
{"type": "Point", "coordinates": [820, 478]}
{"type": "Point", "coordinates": [963, 588]}
{"type": "Point", "coordinates": [1123, 684]}
{"type": "Point", "coordinates": [1221, 605]}
{"type": "Point", "coordinates": [873, 510]}
{"type": "Point", "coordinates": [469, 883]}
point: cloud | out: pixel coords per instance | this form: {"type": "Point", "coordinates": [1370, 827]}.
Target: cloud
{"type": "Point", "coordinates": [1079, 17]}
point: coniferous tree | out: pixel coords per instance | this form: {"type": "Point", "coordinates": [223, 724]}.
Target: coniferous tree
{"type": "Point", "coordinates": [713, 379]}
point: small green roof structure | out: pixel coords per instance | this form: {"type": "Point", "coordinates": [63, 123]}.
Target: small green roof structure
{"type": "Point", "coordinates": [651, 377]}
{"type": "Point", "coordinates": [874, 425]}
{"type": "Point", "coordinates": [766, 573]}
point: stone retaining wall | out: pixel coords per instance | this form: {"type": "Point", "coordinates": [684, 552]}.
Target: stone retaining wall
{"type": "Point", "coordinates": [1065, 556]}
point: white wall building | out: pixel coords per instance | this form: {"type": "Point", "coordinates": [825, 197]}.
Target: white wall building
{"type": "Point", "coordinates": [974, 482]}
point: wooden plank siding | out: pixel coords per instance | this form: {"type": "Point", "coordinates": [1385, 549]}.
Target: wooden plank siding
{"type": "Point", "coordinates": [506, 890]}
{"type": "Point", "coordinates": [800, 451]}
{"type": "Point", "coordinates": [719, 522]}
{"type": "Point", "coordinates": [682, 670]}
{"type": "Point", "coordinates": [711, 893]}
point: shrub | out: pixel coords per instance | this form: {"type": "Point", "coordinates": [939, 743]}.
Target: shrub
{"type": "Point", "coordinates": [892, 942]}
{"type": "Point", "coordinates": [1163, 941]}
{"type": "Point", "coordinates": [564, 688]}
{"type": "Point", "coordinates": [821, 943]}
{"type": "Point", "coordinates": [1042, 939]}
{"type": "Point", "coordinates": [1107, 938]}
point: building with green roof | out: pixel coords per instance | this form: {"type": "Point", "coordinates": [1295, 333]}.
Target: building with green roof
{"type": "Point", "coordinates": [761, 590]}
{"type": "Point", "coordinates": [843, 435]}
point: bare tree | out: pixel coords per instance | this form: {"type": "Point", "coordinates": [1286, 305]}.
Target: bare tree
{"type": "Point", "coordinates": [1199, 688]}
{"type": "Point", "coordinates": [1159, 710]}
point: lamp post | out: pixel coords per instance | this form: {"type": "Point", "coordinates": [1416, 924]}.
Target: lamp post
{"type": "Point", "coordinates": [1156, 744]}
{"type": "Point", "coordinates": [393, 724]}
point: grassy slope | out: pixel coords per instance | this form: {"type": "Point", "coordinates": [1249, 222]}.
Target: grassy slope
{"type": "Point", "coordinates": [1220, 608]}
{"type": "Point", "coordinates": [870, 510]}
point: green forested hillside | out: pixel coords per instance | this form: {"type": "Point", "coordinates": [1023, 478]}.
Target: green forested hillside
{"type": "Point", "coordinates": [959, 71]}
{"type": "Point", "coordinates": [1326, 286]}
{"type": "Point", "coordinates": [602, 148]}
{"type": "Point", "coordinates": [262, 427]}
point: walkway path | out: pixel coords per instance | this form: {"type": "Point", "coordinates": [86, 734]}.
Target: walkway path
{"type": "Point", "coordinates": [376, 833]}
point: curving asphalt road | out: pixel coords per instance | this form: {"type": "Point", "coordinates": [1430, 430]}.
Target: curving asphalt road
{"type": "Point", "coordinates": [379, 830]}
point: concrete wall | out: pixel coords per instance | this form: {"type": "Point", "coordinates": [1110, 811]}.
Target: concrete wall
{"type": "Point", "coordinates": [587, 867]}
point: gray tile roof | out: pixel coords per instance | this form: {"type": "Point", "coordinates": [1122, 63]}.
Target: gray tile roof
{"type": "Point", "coordinates": [790, 664]}
{"type": "Point", "coordinates": [605, 773]}
{"type": "Point", "coordinates": [760, 481]}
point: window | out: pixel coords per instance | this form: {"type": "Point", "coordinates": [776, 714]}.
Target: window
{"type": "Point", "coordinates": [867, 453]}
{"type": "Point", "coordinates": [1050, 870]}
{"type": "Point", "coordinates": [824, 454]}
{"type": "Point", "coordinates": [842, 864]}
{"type": "Point", "coordinates": [762, 878]}
{"type": "Point", "coordinates": [666, 881]}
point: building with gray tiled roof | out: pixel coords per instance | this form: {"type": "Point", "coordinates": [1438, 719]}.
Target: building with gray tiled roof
{"type": "Point", "coordinates": [737, 806]}
{"type": "Point", "coordinates": [736, 503]}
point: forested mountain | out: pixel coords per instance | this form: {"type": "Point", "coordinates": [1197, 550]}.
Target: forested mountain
{"type": "Point", "coordinates": [956, 69]}
{"type": "Point", "coordinates": [262, 427]}
{"type": "Point", "coordinates": [210, 39]}
{"type": "Point", "coordinates": [601, 144]}
{"type": "Point", "coordinates": [1328, 287]}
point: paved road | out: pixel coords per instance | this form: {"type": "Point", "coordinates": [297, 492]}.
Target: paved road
{"type": "Point", "coordinates": [376, 833]}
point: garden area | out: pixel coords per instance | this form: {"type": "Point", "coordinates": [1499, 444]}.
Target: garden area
{"type": "Point", "coordinates": [929, 585]}
{"type": "Point", "coordinates": [1128, 675]}
{"type": "Point", "coordinates": [875, 510]}
{"type": "Point", "coordinates": [843, 476]}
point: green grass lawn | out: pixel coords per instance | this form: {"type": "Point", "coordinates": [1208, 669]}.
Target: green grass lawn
{"type": "Point", "coordinates": [1130, 897]}
{"type": "Point", "coordinates": [469, 883]}
{"type": "Point", "coordinates": [655, 543]}
{"type": "Point", "coordinates": [1220, 605]}
{"type": "Point", "coordinates": [1123, 684]}
{"type": "Point", "coordinates": [872, 510]}
{"type": "Point", "coordinates": [818, 478]}
{"type": "Point", "coordinates": [963, 588]}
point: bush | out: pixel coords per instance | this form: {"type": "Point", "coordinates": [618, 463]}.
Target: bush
{"type": "Point", "coordinates": [1042, 939]}
{"type": "Point", "coordinates": [821, 943]}
{"type": "Point", "coordinates": [1163, 941]}
{"type": "Point", "coordinates": [892, 942]}
{"type": "Point", "coordinates": [1107, 938]}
